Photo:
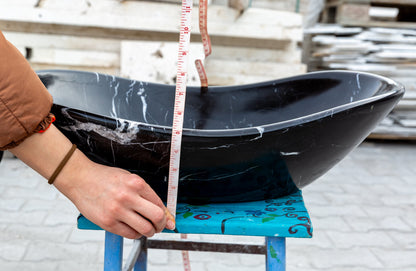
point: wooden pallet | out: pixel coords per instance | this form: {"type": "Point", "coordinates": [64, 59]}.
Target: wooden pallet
{"type": "Point", "coordinates": [226, 66]}
{"type": "Point", "coordinates": [371, 13]}
{"type": "Point", "coordinates": [298, 6]}
{"type": "Point", "coordinates": [138, 39]}
{"type": "Point", "coordinates": [147, 20]}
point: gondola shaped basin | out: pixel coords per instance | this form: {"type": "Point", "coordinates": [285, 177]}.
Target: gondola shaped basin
{"type": "Point", "coordinates": [240, 143]}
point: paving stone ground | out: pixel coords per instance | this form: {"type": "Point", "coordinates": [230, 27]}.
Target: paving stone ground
{"type": "Point", "coordinates": [363, 212]}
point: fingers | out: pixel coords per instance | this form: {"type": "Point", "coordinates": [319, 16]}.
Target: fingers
{"type": "Point", "coordinates": [147, 193]}
{"type": "Point", "coordinates": [170, 224]}
{"type": "Point", "coordinates": [125, 221]}
{"type": "Point", "coordinates": [124, 230]}
{"type": "Point", "coordinates": [140, 224]}
{"type": "Point", "coordinates": [151, 212]}
{"type": "Point", "coordinates": [120, 202]}
{"type": "Point", "coordinates": [142, 200]}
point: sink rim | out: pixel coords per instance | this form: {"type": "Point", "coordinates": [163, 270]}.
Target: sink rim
{"type": "Point", "coordinates": [396, 90]}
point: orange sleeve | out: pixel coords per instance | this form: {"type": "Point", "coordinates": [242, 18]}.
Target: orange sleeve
{"type": "Point", "coordinates": [25, 103]}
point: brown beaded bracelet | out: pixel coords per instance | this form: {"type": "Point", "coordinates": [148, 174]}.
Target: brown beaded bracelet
{"type": "Point", "coordinates": [62, 164]}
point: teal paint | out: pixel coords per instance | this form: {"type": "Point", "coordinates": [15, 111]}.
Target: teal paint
{"type": "Point", "coordinates": [283, 217]}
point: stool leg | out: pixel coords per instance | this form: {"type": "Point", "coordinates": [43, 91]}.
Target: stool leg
{"type": "Point", "coordinates": [113, 254]}
{"type": "Point", "coordinates": [141, 263]}
{"type": "Point", "coordinates": [276, 254]}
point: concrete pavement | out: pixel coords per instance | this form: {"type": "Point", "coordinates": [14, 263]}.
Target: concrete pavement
{"type": "Point", "coordinates": [363, 213]}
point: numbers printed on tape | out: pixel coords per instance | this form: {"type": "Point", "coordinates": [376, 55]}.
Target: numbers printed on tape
{"type": "Point", "coordinates": [203, 26]}
{"type": "Point", "coordinates": [206, 41]}
{"type": "Point", "coordinates": [179, 106]}
{"type": "Point", "coordinates": [180, 93]}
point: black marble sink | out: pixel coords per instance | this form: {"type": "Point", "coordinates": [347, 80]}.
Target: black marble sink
{"type": "Point", "coordinates": [240, 143]}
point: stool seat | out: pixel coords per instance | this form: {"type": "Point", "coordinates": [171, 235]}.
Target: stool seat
{"type": "Point", "coordinates": [282, 217]}
{"type": "Point", "coordinates": [275, 219]}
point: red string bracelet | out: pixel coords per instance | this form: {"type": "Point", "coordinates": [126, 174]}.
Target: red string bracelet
{"type": "Point", "coordinates": [52, 120]}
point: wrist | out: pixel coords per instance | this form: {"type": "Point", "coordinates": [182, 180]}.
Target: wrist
{"type": "Point", "coordinates": [74, 173]}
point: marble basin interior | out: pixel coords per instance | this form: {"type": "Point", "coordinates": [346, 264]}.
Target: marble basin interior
{"type": "Point", "coordinates": [240, 143]}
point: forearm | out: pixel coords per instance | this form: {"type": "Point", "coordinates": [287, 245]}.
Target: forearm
{"type": "Point", "coordinates": [44, 151]}
{"type": "Point", "coordinates": [112, 198]}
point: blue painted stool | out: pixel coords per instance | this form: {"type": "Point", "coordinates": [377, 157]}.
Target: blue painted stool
{"type": "Point", "coordinates": [275, 219]}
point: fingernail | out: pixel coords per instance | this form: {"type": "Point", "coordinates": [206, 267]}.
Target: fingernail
{"type": "Point", "coordinates": [170, 225]}
{"type": "Point", "coordinates": [169, 215]}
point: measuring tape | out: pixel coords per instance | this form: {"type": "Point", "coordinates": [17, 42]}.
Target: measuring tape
{"type": "Point", "coordinates": [179, 107]}
{"type": "Point", "coordinates": [206, 42]}
{"type": "Point", "coordinates": [177, 126]}
{"type": "Point", "coordinates": [180, 94]}
{"type": "Point", "coordinates": [203, 26]}
{"type": "Point", "coordinates": [178, 112]}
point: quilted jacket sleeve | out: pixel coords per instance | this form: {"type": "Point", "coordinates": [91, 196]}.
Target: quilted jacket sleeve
{"type": "Point", "coordinates": [24, 101]}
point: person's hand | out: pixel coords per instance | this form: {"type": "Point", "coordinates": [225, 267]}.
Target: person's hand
{"type": "Point", "coordinates": [112, 198]}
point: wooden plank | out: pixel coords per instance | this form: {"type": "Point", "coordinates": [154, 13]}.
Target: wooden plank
{"type": "Point", "coordinates": [395, 2]}
{"type": "Point", "coordinates": [380, 24]}
{"type": "Point", "coordinates": [288, 54]}
{"type": "Point", "coordinates": [397, 126]}
{"type": "Point", "coordinates": [68, 57]}
{"type": "Point", "coordinates": [298, 6]}
{"type": "Point", "coordinates": [223, 73]}
{"type": "Point", "coordinates": [196, 2]}
{"type": "Point", "coordinates": [409, 83]}
{"type": "Point", "coordinates": [266, 69]}
{"type": "Point", "coordinates": [221, 79]}
{"type": "Point", "coordinates": [371, 13]}
{"type": "Point", "coordinates": [20, 3]}
{"type": "Point", "coordinates": [406, 105]}
{"type": "Point", "coordinates": [111, 70]}
{"type": "Point", "coordinates": [353, 12]}
{"type": "Point", "coordinates": [156, 61]}
{"type": "Point", "coordinates": [393, 132]}
{"type": "Point", "coordinates": [151, 21]}
{"type": "Point", "coordinates": [34, 40]}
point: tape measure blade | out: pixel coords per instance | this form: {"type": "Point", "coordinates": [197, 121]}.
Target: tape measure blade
{"type": "Point", "coordinates": [179, 105]}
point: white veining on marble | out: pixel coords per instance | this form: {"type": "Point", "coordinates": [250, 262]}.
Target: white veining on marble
{"type": "Point", "coordinates": [142, 95]}
{"type": "Point", "coordinates": [233, 98]}
{"type": "Point", "coordinates": [166, 116]}
{"type": "Point", "coordinates": [113, 101]}
{"type": "Point", "coordinates": [261, 131]}
{"type": "Point", "coordinates": [355, 91]}
{"type": "Point", "coordinates": [130, 91]}
{"type": "Point", "coordinates": [289, 153]}
{"type": "Point", "coordinates": [129, 134]}
{"type": "Point", "coordinates": [124, 134]}
{"type": "Point", "coordinates": [216, 177]}
{"type": "Point", "coordinates": [112, 151]}
{"type": "Point", "coordinates": [329, 113]}
{"type": "Point", "coordinates": [225, 146]}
